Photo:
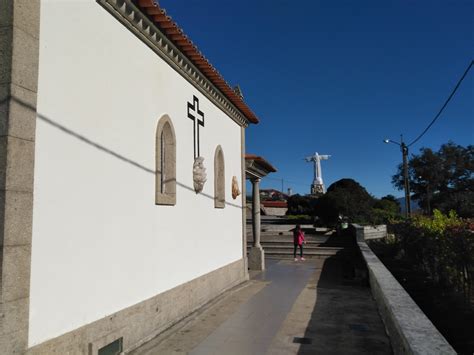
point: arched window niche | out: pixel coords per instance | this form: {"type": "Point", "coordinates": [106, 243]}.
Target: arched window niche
{"type": "Point", "coordinates": [219, 178]}
{"type": "Point", "coordinates": [165, 175]}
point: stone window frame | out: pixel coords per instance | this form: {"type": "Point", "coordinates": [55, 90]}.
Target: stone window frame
{"type": "Point", "coordinates": [219, 178]}
{"type": "Point", "coordinates": [165, 172]}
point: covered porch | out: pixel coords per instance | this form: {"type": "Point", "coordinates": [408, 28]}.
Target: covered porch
{"type": "Point", "coordinates": [256, 168]}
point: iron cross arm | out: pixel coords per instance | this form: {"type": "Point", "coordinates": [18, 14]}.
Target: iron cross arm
{"type": "Point", "coordinates": [197, 116]}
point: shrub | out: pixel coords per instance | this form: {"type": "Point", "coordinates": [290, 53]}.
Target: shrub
{"type": "Point", "coordinates": [438, 223]}
{"type": "Point", "coordinates": [442, 246]}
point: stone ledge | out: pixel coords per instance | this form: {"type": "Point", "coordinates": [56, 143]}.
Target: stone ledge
{"type": "Point", "coordinates": [410, 331]}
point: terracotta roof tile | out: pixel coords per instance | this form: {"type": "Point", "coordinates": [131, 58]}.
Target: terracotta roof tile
{"type": "Point", "coordinates": [277, 204]}
{"type": "Point", "coordinates": [180, 40]}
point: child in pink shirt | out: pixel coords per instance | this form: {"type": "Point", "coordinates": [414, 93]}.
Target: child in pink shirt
{"type": "Point", "coordinates": [298, 240]}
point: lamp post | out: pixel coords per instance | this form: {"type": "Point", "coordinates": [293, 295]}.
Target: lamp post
{"type": "Point", "coordinates": [404, 150]}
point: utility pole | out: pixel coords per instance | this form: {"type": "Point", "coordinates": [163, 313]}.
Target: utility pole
{"type": "Point", "coordinates": [404, 150]}
{"type": "Point", "coordinates": [406, 180]}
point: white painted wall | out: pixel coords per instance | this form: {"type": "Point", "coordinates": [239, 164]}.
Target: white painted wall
{"type": "Point", "coordinates": [99, 242]}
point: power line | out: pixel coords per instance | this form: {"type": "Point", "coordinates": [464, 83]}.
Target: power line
{"type": "Point", "coordinates": [286, 181]}
{"type": "Point", "coordinates": [444, 106]}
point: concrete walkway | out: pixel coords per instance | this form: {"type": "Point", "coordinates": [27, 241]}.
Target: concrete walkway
{"type": "Point", "coordinates": [291, 308]}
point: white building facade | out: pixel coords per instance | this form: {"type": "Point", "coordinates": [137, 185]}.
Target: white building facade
{"type": "Point", "coordinates": [120, 243]}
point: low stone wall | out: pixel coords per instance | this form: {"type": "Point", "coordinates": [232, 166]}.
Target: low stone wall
{"type": "Point", "coordinates": [410, 331]}
{"type": "Point", "coordinates": [371, 232]}
{"type": "Point", "coordinates": [274, 211]}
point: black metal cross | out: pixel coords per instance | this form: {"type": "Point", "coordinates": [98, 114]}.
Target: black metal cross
{"type": "Point", "coordinates": [198, 120]}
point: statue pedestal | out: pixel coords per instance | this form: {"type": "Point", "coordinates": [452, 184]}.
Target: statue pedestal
{"type": "Point", "coordinates": [317, 189]}
{"type": "Point", "coordinates": [256, 258]}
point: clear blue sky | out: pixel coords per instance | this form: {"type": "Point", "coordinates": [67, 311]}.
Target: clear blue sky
{"type": "Point", "coordinates": [337, 77]}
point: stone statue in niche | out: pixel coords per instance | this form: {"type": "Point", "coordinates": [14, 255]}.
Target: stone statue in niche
{"type": "Point", "coordinates": [235, 188]}
{"type": "Point", "coordinates": [199, 174]}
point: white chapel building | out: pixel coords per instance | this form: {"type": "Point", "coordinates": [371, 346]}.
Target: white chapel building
{"type": "Point", "coordinates": [122, 201]}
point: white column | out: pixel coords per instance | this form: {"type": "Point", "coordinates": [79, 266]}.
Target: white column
{"type": "Point", "coordinates": [256, 212]}
{"type": "Point", "coordinates": [256, 254]}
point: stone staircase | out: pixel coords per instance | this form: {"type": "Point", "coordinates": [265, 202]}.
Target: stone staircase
{"type": "Point", "coordinates": [280, 245]}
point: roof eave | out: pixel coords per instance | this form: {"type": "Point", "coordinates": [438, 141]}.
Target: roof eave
{"type": "Point", "coordinates": [176, 35]}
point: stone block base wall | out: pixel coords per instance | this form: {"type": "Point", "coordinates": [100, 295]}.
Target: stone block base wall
{"type": "Point", "coordinates": [19, 48]}
{"type": "Point", "coordinates": [142, 322]}
{"type": "Point", "coordinates": [408, 328]}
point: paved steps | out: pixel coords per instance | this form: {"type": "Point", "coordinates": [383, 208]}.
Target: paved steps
{"type": "Point", "coordinates": [307, 246]}
{"type": "Point", "coordinates": [309, 243]}
{"type": "Point", "coordinates": [317, 246]}
{"type": "Point", "coordinates": [316, 252]}
{"type": "Point", "coordinates": [311, 254]}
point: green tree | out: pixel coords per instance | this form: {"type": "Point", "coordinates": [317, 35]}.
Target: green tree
{"type": "Point", "coordinates": [347, 198]}
{"type": "Point", "coordinates": [389, 204]}
{"type": "Point", "coordinates": [301, 205]}
{"type": "Point", "coordinates": [442, 179]}
{"type": "Point", "coordinates": [386, 210]}
{"type": "Point", "coordinates": [390, 198]}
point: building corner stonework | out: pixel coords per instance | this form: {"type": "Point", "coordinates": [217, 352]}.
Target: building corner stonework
{"type": "Point", "coordinates": [19, 57]}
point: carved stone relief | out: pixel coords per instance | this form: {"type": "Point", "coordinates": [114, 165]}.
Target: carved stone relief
{"type": "Point", "coordinates": [199, 174]}
{"type": "Point", "coordinates": [235, 188]}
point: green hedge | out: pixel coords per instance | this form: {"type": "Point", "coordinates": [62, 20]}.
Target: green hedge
{"type": "Point", "coordinates": [442, 246]}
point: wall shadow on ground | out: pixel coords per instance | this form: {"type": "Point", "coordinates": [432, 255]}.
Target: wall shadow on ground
{"type": "Point", "coordinates": [345, 319]}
